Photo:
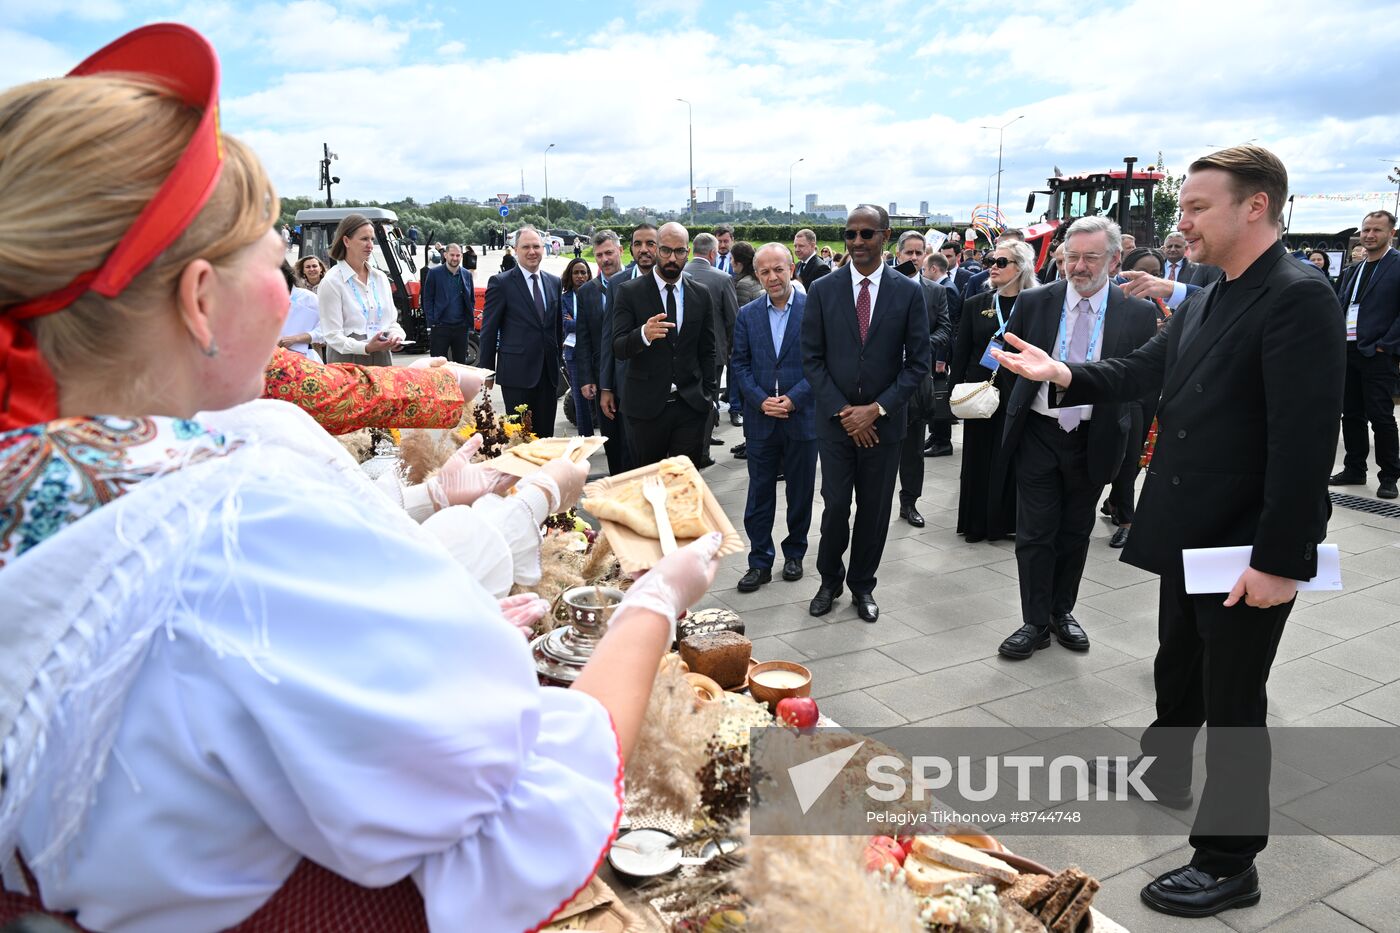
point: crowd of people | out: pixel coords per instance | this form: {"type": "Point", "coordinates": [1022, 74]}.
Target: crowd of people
{"type": "Point", "coordinates": [212, 679]}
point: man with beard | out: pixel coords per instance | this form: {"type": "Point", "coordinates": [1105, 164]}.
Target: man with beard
{"type": "Point", "coordinates": [865, 351]}
{"type": "Point", "coordinates": [449, 303]}
{"type": "Point", "coordinates": [594, 331]}
{"type": "Point", "coordinates": [1250, 375]}
{"type": "Point", "coordinates": [664, 328]}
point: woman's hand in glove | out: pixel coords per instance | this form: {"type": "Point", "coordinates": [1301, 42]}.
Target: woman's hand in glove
{"type": "Point", "coordinates": [562, 481]}
{"type": "Point", "coordinates": [523, 610]}
{"type": "Point", "coordinates": [461, 482]}
{"type": "Point", "coordinates": [678, 580]}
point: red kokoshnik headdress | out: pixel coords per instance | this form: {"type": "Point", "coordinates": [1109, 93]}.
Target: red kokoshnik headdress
{"type": "Point", "coordinates": [182, 60]}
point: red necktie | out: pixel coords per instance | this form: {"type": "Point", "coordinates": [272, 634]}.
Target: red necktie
{"type": "Point", "coordinates": [863, 309]}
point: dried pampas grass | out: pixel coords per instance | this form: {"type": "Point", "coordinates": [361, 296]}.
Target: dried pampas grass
{"type": "Point", "coordinates": [360, 444]}
{"type": "Point", "coordinates": [820, 883]}
{"type": "Point", "coordinates": [424, 452]}
{"type": "Point", "coordinates": [662, 773]}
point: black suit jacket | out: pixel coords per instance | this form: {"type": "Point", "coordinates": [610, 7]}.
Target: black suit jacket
{"type": "Point", "coordinates": [1378, 324]}
{"type": "Point", "coordinates": [1246, 424]}
{"type": "Point", "coordinates": [514, 341]}
{"type": "Point", "coordinates": [811, 269]}
{"type": "Point", "coordinates": [1128, 324]}
{"type": "Point", "coordinates": [1196, 273]}
{"type": "Point", "coordinates": [960, 277]}
{"type": "Point", "coordinates": [724, 300]}
{"type": "Point", "coordinates": [588, 330]}
{"type": "Point", "coordinates": [612, 372]}
{"type": "Point", "coordinates": [940, 323]}
{"type": "Point", "coordinates": [684, 358]}
{"type": "Point", "coordinates": [888, 369]}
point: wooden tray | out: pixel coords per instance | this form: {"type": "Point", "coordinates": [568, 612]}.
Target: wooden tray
{"type": "Point", "coordinates": [508, 462]}
{"type": "Point", "coordinates": [637, 552]}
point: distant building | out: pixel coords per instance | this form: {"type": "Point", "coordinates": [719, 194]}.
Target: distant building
{"type": "Point", "coordinates": [811, 206]}
{"type": "Point", "coordinates": [522, 199]}
{"type": "Point", "coordinates": [893, 209]}
{"type": "Point", "coordinates": [640, 213]}
{"type": "Point", "coordinates": [609, 203]}
{"type": "Point", "coordinates": [906, 220]}
{"type": "Point", "coordinates": [923, 207]}
{"type": "Point", "coordinates": [725, 196]}
{"type": "Point", "coordinates": [741, 207]}
{"type": "Point", "coordinates": [945, 220]}
{"type": "Point", "coordinates": [829, 211]}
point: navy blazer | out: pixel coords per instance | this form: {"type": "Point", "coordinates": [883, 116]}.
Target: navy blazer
{"type": "Point", "coordinates": [684, 358]}
{"type": "Point", "coordinates": [612, 372]}
{"type": "Point", "coordinates": [762, 371]}
{"type": "Point", "coordinates": [588, 330]}
{"type": "Point", "coordinates": [1378, 324]}
{"type": "Point", "coordinates": [435, 292]}
{"type": "Point", "coordinates": [888, 369]}
{"type": "Point", "coordinates": [514, 341]}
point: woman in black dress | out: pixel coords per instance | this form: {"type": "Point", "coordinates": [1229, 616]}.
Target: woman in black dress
{"type": "Point", "coordinates": [985, 513]}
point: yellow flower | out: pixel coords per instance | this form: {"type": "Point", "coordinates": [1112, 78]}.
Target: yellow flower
{"type": "Point", "coordinates": [466, 431]}
{"type": "Point", "coordinates": [398, 438]}
{"type": "Point", "coordinates": [512, 429]}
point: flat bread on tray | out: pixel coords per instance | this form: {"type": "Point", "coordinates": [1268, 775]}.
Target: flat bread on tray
{"type": "Point", "coordinates": [524, 459]}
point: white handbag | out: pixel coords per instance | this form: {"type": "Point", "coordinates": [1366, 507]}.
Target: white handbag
{"type": "Point", "coordinates": [974, 399]}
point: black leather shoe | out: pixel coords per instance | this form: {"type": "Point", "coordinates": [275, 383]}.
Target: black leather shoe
{"type": "Point", "coordinates": [1387, 490]}
{"type": "Point", "coordinates": [865, 607]}
{"type": "Point", "coordinates": [715, 442]}
{"type": "Point", "coordinates": [1120, 537]}
{"type": "Point", "coordinates": [1190, 892]}
{"type": "Point", "coordinates": [792, 570]}
{"type": "Point", "coordinates": [1069, 633]}
{"type": "Point", "coordinates": [756, 577]}
{"type": "Point", "coordinates": [1024, 642]}
{"type": "Point", "coordinates": [705, 462]}
{"type": "Point", "coordinates": [1346, 478]}
{"type": "Point", "coordinates": [736, 419]}
{"type": "Point", "coordinates": [738, 448]}
{"type": "Point", "coordinates": [912, 516]}
{"type": "Point", "coordinates": [821, 603]}
{"type": "Point", "coordinates": [939, 450]}
{"type": "Point", "coordinates": [1172, 799]}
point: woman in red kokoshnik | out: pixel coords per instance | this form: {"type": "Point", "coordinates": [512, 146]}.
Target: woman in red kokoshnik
{"type": "Point", "coordinates": [218, 709]}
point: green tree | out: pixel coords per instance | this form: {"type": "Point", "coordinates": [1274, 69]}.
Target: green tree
{"type": "Point", "coordinates": [1166, 201]}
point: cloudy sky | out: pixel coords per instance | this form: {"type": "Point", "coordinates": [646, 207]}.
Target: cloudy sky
{"type": "Point", "coordinates": [883, 100]}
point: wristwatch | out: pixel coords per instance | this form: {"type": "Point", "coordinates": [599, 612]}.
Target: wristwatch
{"type": "Point", "coordinates": [881, 409]}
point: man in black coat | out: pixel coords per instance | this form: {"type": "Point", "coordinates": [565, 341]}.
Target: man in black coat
{"type": "Point", "coordinates": [1063, 458]}
{"type": "Point", "coordinates": [522, 333]}
{"type": "Point", "coordinates": [809, 266]}
{"type": "Point", "coordinates": [594, 344]}
{"type": "Point", "coordinates": [865, 351]}
{"type": "Point", "coordinates": [1250, 373]}
{"type": "Point", "coordinates": [664, 328]}
{"type": "Point", "coordinates": [1370, 298]}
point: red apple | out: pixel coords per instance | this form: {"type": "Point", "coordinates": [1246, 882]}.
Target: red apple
{"type": "Point", "coordinates": [906, 844]}
{"type": "Point", "coordinates": [877, 857]}
{"type": "Point", "coordinates": [891, 846]}
{"type": "Point", "coordinates": [799, 712]}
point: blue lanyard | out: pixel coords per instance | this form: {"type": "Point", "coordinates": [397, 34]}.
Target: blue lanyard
{"type": "Point", "coordinates": [996, 305]}
{"type": "Point", "coordinates": [364, 308]}
{"type": "Point", "coordinates": [1093, 340]}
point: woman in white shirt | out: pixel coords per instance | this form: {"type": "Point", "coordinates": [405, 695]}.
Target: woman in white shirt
{"type": "Point", "coordinates": [358, 319]}
{"type": "Point", "coordinates": [303, 325]}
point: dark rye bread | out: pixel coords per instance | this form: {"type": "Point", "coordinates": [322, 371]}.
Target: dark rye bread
{"type": "Point", "coordinates": [1077, 910]}
{"type": "Point", "coordinates": [1016, 919]}
{"type": "Point", "coordinates": [1063, 888]}
{"type": "Point", "coordinates": [1061, 903]}
{"type": "Point", "coordinates": [721, 656]}
{"type": "Point", "coordinates": [1023, 889]}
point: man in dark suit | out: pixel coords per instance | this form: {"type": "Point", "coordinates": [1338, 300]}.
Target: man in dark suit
{"type": "Point", "coordinates": [1062, 459]}
{"type": "Point", "coordinates": [449, 304]}
{"type": "Point", "coordinates": [779, 427]}
{"type": "Point", "coordinates": [612, 372]}
{"type": "Point", "coordinates": [951, 251]}
{"type": "Point", "coordinates": [1370, 297]}
{"type": "Point", "coordinates": [594, 331]}
{"type": "Point", "coordinates": [724, 239]}
{"type": "Point", "coordinates": [704, 269]}
{"type": "Point", "coordinates": [909, 255]}
{"type": "Point", "coordinates": [940, 426]}
{"type": "Point", "coordinates": [1250, 374]}
{"type": "Point", "coordinates": [522, 333]}
{"type": "Point", "coordinates": [810, 266]}
{"type": "Point", "coordinates": [865, 351]}
{"type": "Point", "coordinates": [664, 328]}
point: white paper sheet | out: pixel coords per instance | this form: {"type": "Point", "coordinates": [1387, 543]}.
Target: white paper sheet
{"type": "Point", "coordinates": [1216, 569]}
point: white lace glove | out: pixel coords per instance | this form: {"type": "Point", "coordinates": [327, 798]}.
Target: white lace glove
{"type": "Point", "coordinates": [676, 581]}
{"type": "Point", "coordinates": [468, 381]}
{"type": "Point", "coordinates": [524, 610]}
{"type": "Point", "coordinates": [562, 480]}
{"type": "Point", "coordinates": [461, 482]}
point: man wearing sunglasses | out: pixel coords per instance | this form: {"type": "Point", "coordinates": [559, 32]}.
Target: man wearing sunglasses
{"type": "Point", "coordinates": [865, 351]}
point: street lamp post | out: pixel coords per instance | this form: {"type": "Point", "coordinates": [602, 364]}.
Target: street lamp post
{"type": "Point", "coordinates": [546, 187]}
{"type": "Point", "coordinates": [1395, 180]}
{"type": "Point", "coordinates": [690, 121]}
{"type": "Point", "coordinates": [1001, 134]}
{"type": "Point", "coordinates": [790, 168]}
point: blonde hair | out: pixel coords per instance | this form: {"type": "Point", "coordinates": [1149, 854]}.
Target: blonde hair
{"type": "Point", "coordinates": [80, 158]}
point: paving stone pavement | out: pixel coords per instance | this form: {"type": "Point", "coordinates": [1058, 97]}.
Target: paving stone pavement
{"type": "Point", "coordinates": [931, 660]}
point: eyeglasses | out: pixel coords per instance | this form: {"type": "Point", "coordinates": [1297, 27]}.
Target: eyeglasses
{"type": "Point", "coordinates": [1001, 262]}
{"type": "Point", "coordinates": [1092, 259]}
{"type": "Point", "coordinates": [677, 251]}
{"type": "Point", "coordinates": [866, 234]}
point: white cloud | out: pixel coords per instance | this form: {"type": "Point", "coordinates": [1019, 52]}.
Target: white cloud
{"type": "Point", "coordinates": [452, 49]}
{"type": "Point", "coordinates": [15, 12]}
{"type": "Point", "coordinates": [25, 58]}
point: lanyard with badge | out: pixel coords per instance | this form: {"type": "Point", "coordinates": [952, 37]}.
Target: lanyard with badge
{"type": "Point", "coordinates": [1354, 306]}
{"type": "Point", "coordinates": [372, 323]}
{"type": "Point", "coordinates": [996, 343]}
{"type": "Point", "coordinates": [1063, 339]}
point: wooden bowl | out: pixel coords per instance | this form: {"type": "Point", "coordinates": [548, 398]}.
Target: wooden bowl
{"type": "Point", "coordinates": [771, 695]}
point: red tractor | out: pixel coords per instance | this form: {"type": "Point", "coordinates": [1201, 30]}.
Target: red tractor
{"type": "Point", "coordinates": [1122, 195]}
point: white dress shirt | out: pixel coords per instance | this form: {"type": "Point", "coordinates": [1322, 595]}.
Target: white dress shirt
{"type": "Point", "coordinates": [1098, 302]}
{"type": "Point", "coordinates": [856, 277]}
{"type": "Point", "coordinates": [349, 307]}
{"type": "Point", "coordinates": [304, 317]}
{"type": "Point", "coordinates": [680, 303]}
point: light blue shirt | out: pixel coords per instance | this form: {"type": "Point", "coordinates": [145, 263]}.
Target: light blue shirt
{"type": "Point", "coordinates": [777, 321]}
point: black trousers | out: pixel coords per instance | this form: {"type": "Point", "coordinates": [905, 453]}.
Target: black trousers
{"type": "Point", "coordinates": [1054, 517]}
{"type": "Point", "coordinates": [1122, 493]}
{"type": "Point", "coordinates": [619, 445]}
{"type": "Point", "coordinates": [911, 462]}
{"type": "Point", "coordinates": [679, 429]}
{"type": "Point", "coordinates": [797, 461]}
{"type": "Point", "coordinates": [940, 426]}
{"type": "Point", "coordinates": [450, 341]}
{"type": "Point", "coordinates": [1368, 397]}
{"type": "Point", "coordinates": [1211, 669]}
{"type": "Point", "coordinates": [543, 404]}
{"type": "Point", "coordinates": [869, 472]}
